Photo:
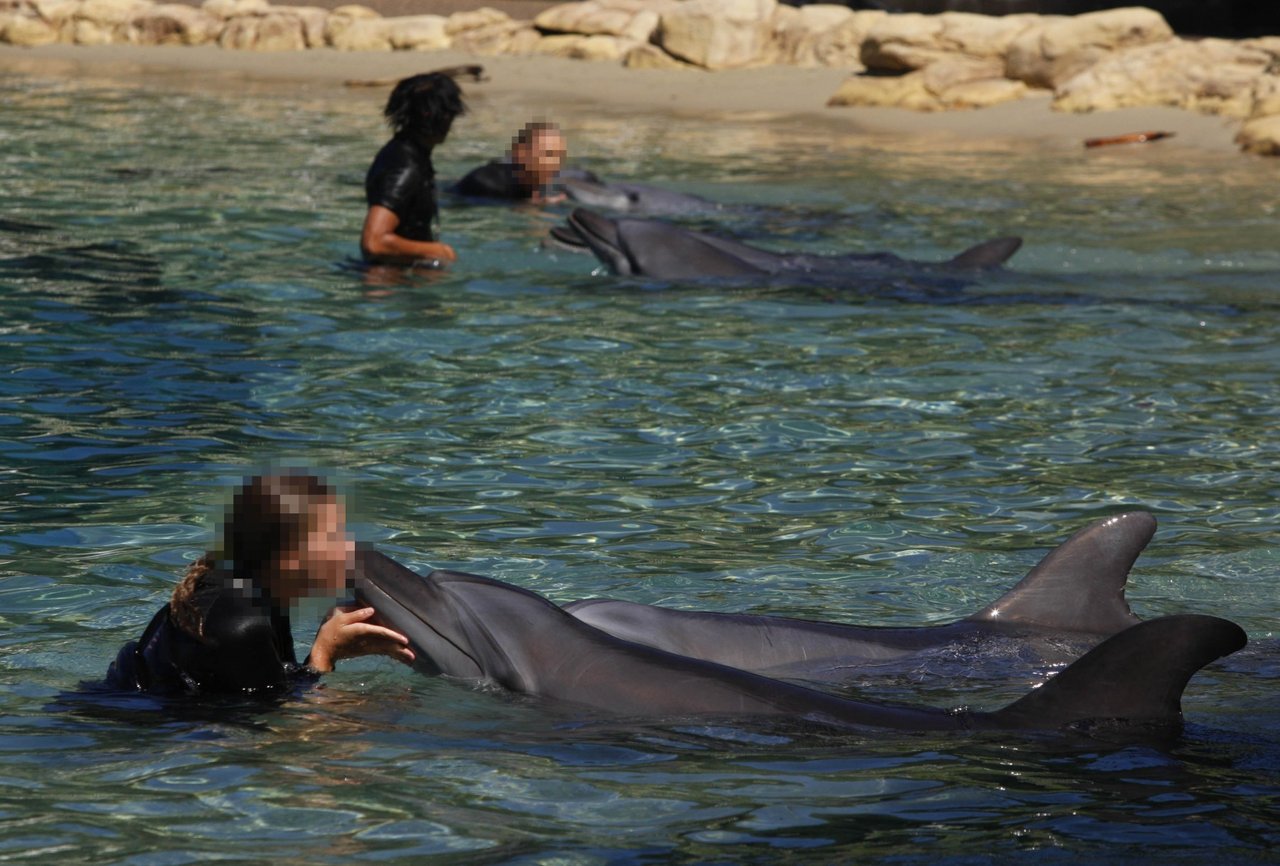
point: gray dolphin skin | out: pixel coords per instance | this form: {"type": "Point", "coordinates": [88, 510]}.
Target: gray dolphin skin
{"type": "Point", "coordinates": [1074, 595]}
{"type": "Point", "coordinates": [636, 198]}
{"type": "Point", "coordinates": [649, 248]}
{"type": "Point", "coordinates": [485, 631]}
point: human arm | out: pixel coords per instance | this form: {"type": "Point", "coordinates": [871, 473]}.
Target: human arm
{"type": "Point", "coordinates": [379, 240]}
{"type": "Point", "coordinates": [348, 633]}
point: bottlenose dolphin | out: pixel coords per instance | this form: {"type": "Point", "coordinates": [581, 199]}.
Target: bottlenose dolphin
{"type": "Point", "coordinates": [648, 248]}
{"type": "Point", "coordinates": [636, 198]}
{"type": "Point", "coordinates": [1074, 596]}
{"type": "Point", "coordinates": [488, 632]}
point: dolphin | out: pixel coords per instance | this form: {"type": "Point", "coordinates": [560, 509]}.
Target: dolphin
{"type": "Point", "coordinates": [636, 198]}
{"type": "Point", "coordinates": [1074, 596]}
{"type": "Point", "coordinates": [649, 248]}
{"type": "Point", "coordinates": [491, 633]}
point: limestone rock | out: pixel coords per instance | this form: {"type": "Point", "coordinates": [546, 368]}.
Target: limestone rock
{"type": "Point", "coordinates": [343, 18]}
{"type": "Point", "coordinates": [174, 24]}
{"type": "Point", "coordinates": [718, 34]}
{"type": "Point", "coordinates": [632, 19]}
{"type": "Point", "coordinates": [227, 9]}
{"type": "Point", "coordinates": [952, 83]}
{"type": "Point", "coordinates": [504, 37]}
{"type": "Point", "coordinates": [1261, 135]}
{"type": "Point", "coordinates": [271, 32]}
{"type": "Point", "coordinates": [802, 37]}
{"type": "Point", "coordinates": [1211, 75]}
{"type": "Point", "coordinates": [899, 43]}
{"type": "Point", "coordinates": [475, 19]}
{"type": "Point", "coordinates": [576, 47]}
{"type": "Point", "coordinates": [1048, 53]}
{"type": "Point", "coordinates": [418, 33]}
{"type": "Point", "coordinates": [648, 56]}
{"type": "Point", "coordinates": [28, 31]}
{"type": "Point", "coordinates": [361, 34]}
{"type": "Point", "coordinates": [1265, 95]}
{"type": "Point", "coordinates": [312, 19]}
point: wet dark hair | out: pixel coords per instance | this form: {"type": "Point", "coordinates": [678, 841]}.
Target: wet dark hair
{"type": "Point", "coordinates": [269, 515]}
{"type": "Point", "coordinates": [424, 106]}
{"type": "Point", "coordinates": [534, 128]}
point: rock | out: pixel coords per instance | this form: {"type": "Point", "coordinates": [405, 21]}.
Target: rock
{"type": "Point", "coordinates": [1265, 96]}
{"type": "Point", "coordinates": [1048, 53]}
{"type": "Point", "coordinates": [718, 34]}
{"type": "Point", "coordinates": [842, 45]}
{"type": "Point", "coordinates": [900, 43]}
{"type": "Point", "coordinates": [1211, 75]}
{"type": "Point", "coordinates": [344, 17]}
{"type": "Point", "coordinates": [227, 9]}
{"type": "Point", "coordinates": [28, 31]}
{"type": "Point", "coordinates": [1261, 135]}
{"type": "Point", "coordinates": [313, 20]}
{"type": "Point", "coordinates": [475, 19]}
{"type": "Point", "coordinates": [361, 34]}
{"type": "Point", "coordinates": [648, 56]}
{"type": "Point", "coordinates": [797, 31]}
{"type": "Point", "coordinates": [578, 47]}
{"type": "Point", "coordinates": [174, 24]}
{"type": "Point", "coordinates": [953, 83]}
{"type": "Point", "coordinates": [271, 32]}
{"type": "Point", "coordinates": [418, 33]}
{"type": "Point", "coordinates": [632, 19]}
{"type": "Point", "coordinates": [509, 37]}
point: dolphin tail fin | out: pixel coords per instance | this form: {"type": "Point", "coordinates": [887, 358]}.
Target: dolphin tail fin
{"type": "Point", "coordinates": [1079, 586]}
{"type": "Point", "coordinates": [988, 254]}
{"type": "Point", "coordinates": [1137, 675]}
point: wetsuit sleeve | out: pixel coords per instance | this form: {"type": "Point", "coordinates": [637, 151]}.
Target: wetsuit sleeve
{"type": "Point", "coordinates": [242, 655]}
{"type": "Point", "coordinates": [395, 187]}
{"type": "Point", "coordinates": [494, 180]}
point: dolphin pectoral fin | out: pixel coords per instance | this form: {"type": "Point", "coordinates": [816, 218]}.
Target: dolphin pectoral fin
{"type": "Point", "coordinates": [1136, 676]}
{"type": "Point", "coordinates": [1079, 586]}
{"type": "Point", "coordinates": [988, 254]}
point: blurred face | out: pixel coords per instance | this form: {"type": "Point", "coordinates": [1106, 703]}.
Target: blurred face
{"type": "Point", "coordinates": [540, 158]}
{"type": "Point", "coordinates": [323, 559]}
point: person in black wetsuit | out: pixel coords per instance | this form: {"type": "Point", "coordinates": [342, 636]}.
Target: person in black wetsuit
{"type": "Point", "coordinates": [400, 187]}
{"type": "Point", "coordinates": [537, 153]}
{"type": "Point", "coordinates": [226, 628]}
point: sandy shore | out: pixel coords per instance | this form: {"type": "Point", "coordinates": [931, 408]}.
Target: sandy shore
{"type": "Point", "coordinates": [546, 84]}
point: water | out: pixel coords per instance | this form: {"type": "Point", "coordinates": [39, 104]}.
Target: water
{"type": "Point", "coordinates": [178, 311]}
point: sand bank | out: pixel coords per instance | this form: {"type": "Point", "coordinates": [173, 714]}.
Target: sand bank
{"type": "Point", "coordinates": [547, 84]}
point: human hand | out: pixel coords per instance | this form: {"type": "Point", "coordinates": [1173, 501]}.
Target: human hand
{"type": "Point", "coordinates": [350, 632]}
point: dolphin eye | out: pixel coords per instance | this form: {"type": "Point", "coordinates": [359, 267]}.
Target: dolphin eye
{"type": "Point", "coordinates": [633, 197]}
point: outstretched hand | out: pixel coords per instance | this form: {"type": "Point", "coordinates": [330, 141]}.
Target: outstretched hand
{"type": "Point", "coordinates": [349, 632]}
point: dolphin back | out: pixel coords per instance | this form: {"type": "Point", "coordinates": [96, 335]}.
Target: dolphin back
{"type": "Point", "coordinates": [1079, 586]}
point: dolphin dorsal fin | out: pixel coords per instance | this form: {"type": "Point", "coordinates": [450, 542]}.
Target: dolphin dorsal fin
{"type": "Point", "coordinates": [988, 254]}
{"type": "Point", "coordinates": [1079, 586]}
{"type": "Point", "coordinates": [1137, 675]}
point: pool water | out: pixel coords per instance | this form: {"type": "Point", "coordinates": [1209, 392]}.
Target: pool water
{"type": "Point", "coordinates": [180, 309]}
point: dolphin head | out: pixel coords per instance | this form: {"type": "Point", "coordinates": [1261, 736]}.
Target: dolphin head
{"type": "Point", "coordinates": [602, 236]}
{"type": "Point", "coordinates": [649, 248]}
{"type": "Point", "coordinates": [597, 194]}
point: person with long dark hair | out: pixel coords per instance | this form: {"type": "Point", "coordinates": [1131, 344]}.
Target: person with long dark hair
{"type": "Point", "coordinates": [400, 187]}
{"type": "Point", "coordinates": [225, 630]}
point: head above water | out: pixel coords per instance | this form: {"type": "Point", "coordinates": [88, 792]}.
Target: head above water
{"type": "Point", "coordinates": [424, 106]}
{"type": "Point", "coordinates": [538, 152]}
{"type": "Point", "coordinates": [285, 534]}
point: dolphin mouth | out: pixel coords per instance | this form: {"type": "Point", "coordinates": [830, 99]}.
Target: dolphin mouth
{"type": "Point", "coordinates": [601, 234]}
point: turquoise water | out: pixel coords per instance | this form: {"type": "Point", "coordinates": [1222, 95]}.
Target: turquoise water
{"type": "Point", "coordinates": [179, 310]}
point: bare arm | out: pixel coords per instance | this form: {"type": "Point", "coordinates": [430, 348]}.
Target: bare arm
{"type": "Point", "coordinates": [379, 241]}
{"type": "Point", "coordinates": [347, 633]}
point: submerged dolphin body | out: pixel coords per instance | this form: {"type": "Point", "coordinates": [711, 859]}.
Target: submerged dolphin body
{"type": "Point", "coordinates": [478, 629]}
{"type": "Point", "coordinates": [648, 248]}
{"type": "Point", "coordinates": [1074, 595]}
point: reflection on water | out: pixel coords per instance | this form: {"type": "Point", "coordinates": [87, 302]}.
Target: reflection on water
{"type": "Point", "coordinates": [179, 307]}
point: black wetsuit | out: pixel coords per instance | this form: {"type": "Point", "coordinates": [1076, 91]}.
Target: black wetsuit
{"type": "Point", "coordinates": [403, 180]}
{"type": "Point", "coordinates": [246, 648]}
{"type": "Point", "coordinates": [496, 179]}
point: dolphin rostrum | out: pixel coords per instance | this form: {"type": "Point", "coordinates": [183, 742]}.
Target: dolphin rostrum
{"type": "Point", "coordinates": [1076, 592]}
{"type": "Point", "coordinates": [485, 631]}
{"type": "Point", "coordinates": [649, 248]}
